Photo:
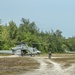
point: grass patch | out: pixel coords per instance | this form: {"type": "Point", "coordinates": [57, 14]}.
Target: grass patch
{"type": "Point", "coordinates": [4, 54]}
{"type": "Point", "coordinates": [66, 60]}
{"type": "Point", "coordinates": [17, 65]}
{"type": "Point", "coordinates": [64, 55]}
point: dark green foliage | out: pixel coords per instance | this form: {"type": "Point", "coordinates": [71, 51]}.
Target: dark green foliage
{"type": "Point", "coordinates": [27, 32]}
{"type": "Point", "coordinates": [12, 30]}
{"type": "Point", "coordinates": [1, 41]}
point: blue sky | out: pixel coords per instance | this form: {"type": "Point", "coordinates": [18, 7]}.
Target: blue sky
{"type": "Point", "coordinates": [47, 14]}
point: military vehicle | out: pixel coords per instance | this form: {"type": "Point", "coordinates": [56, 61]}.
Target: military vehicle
{"type": "Point", "coordinates": [70, 52]}
{"type": "Point", "coordinates": [23, 49]}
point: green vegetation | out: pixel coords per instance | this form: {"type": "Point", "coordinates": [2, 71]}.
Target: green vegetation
{"type": "Point", "coordinates": [27, 32]}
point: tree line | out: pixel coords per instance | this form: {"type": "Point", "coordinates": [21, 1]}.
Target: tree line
{"type": "Point", "coordinates": [27, 32]}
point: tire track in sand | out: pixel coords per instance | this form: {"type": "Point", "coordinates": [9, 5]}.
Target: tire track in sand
{"type": "Point", "coordinates": [44, 68]}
